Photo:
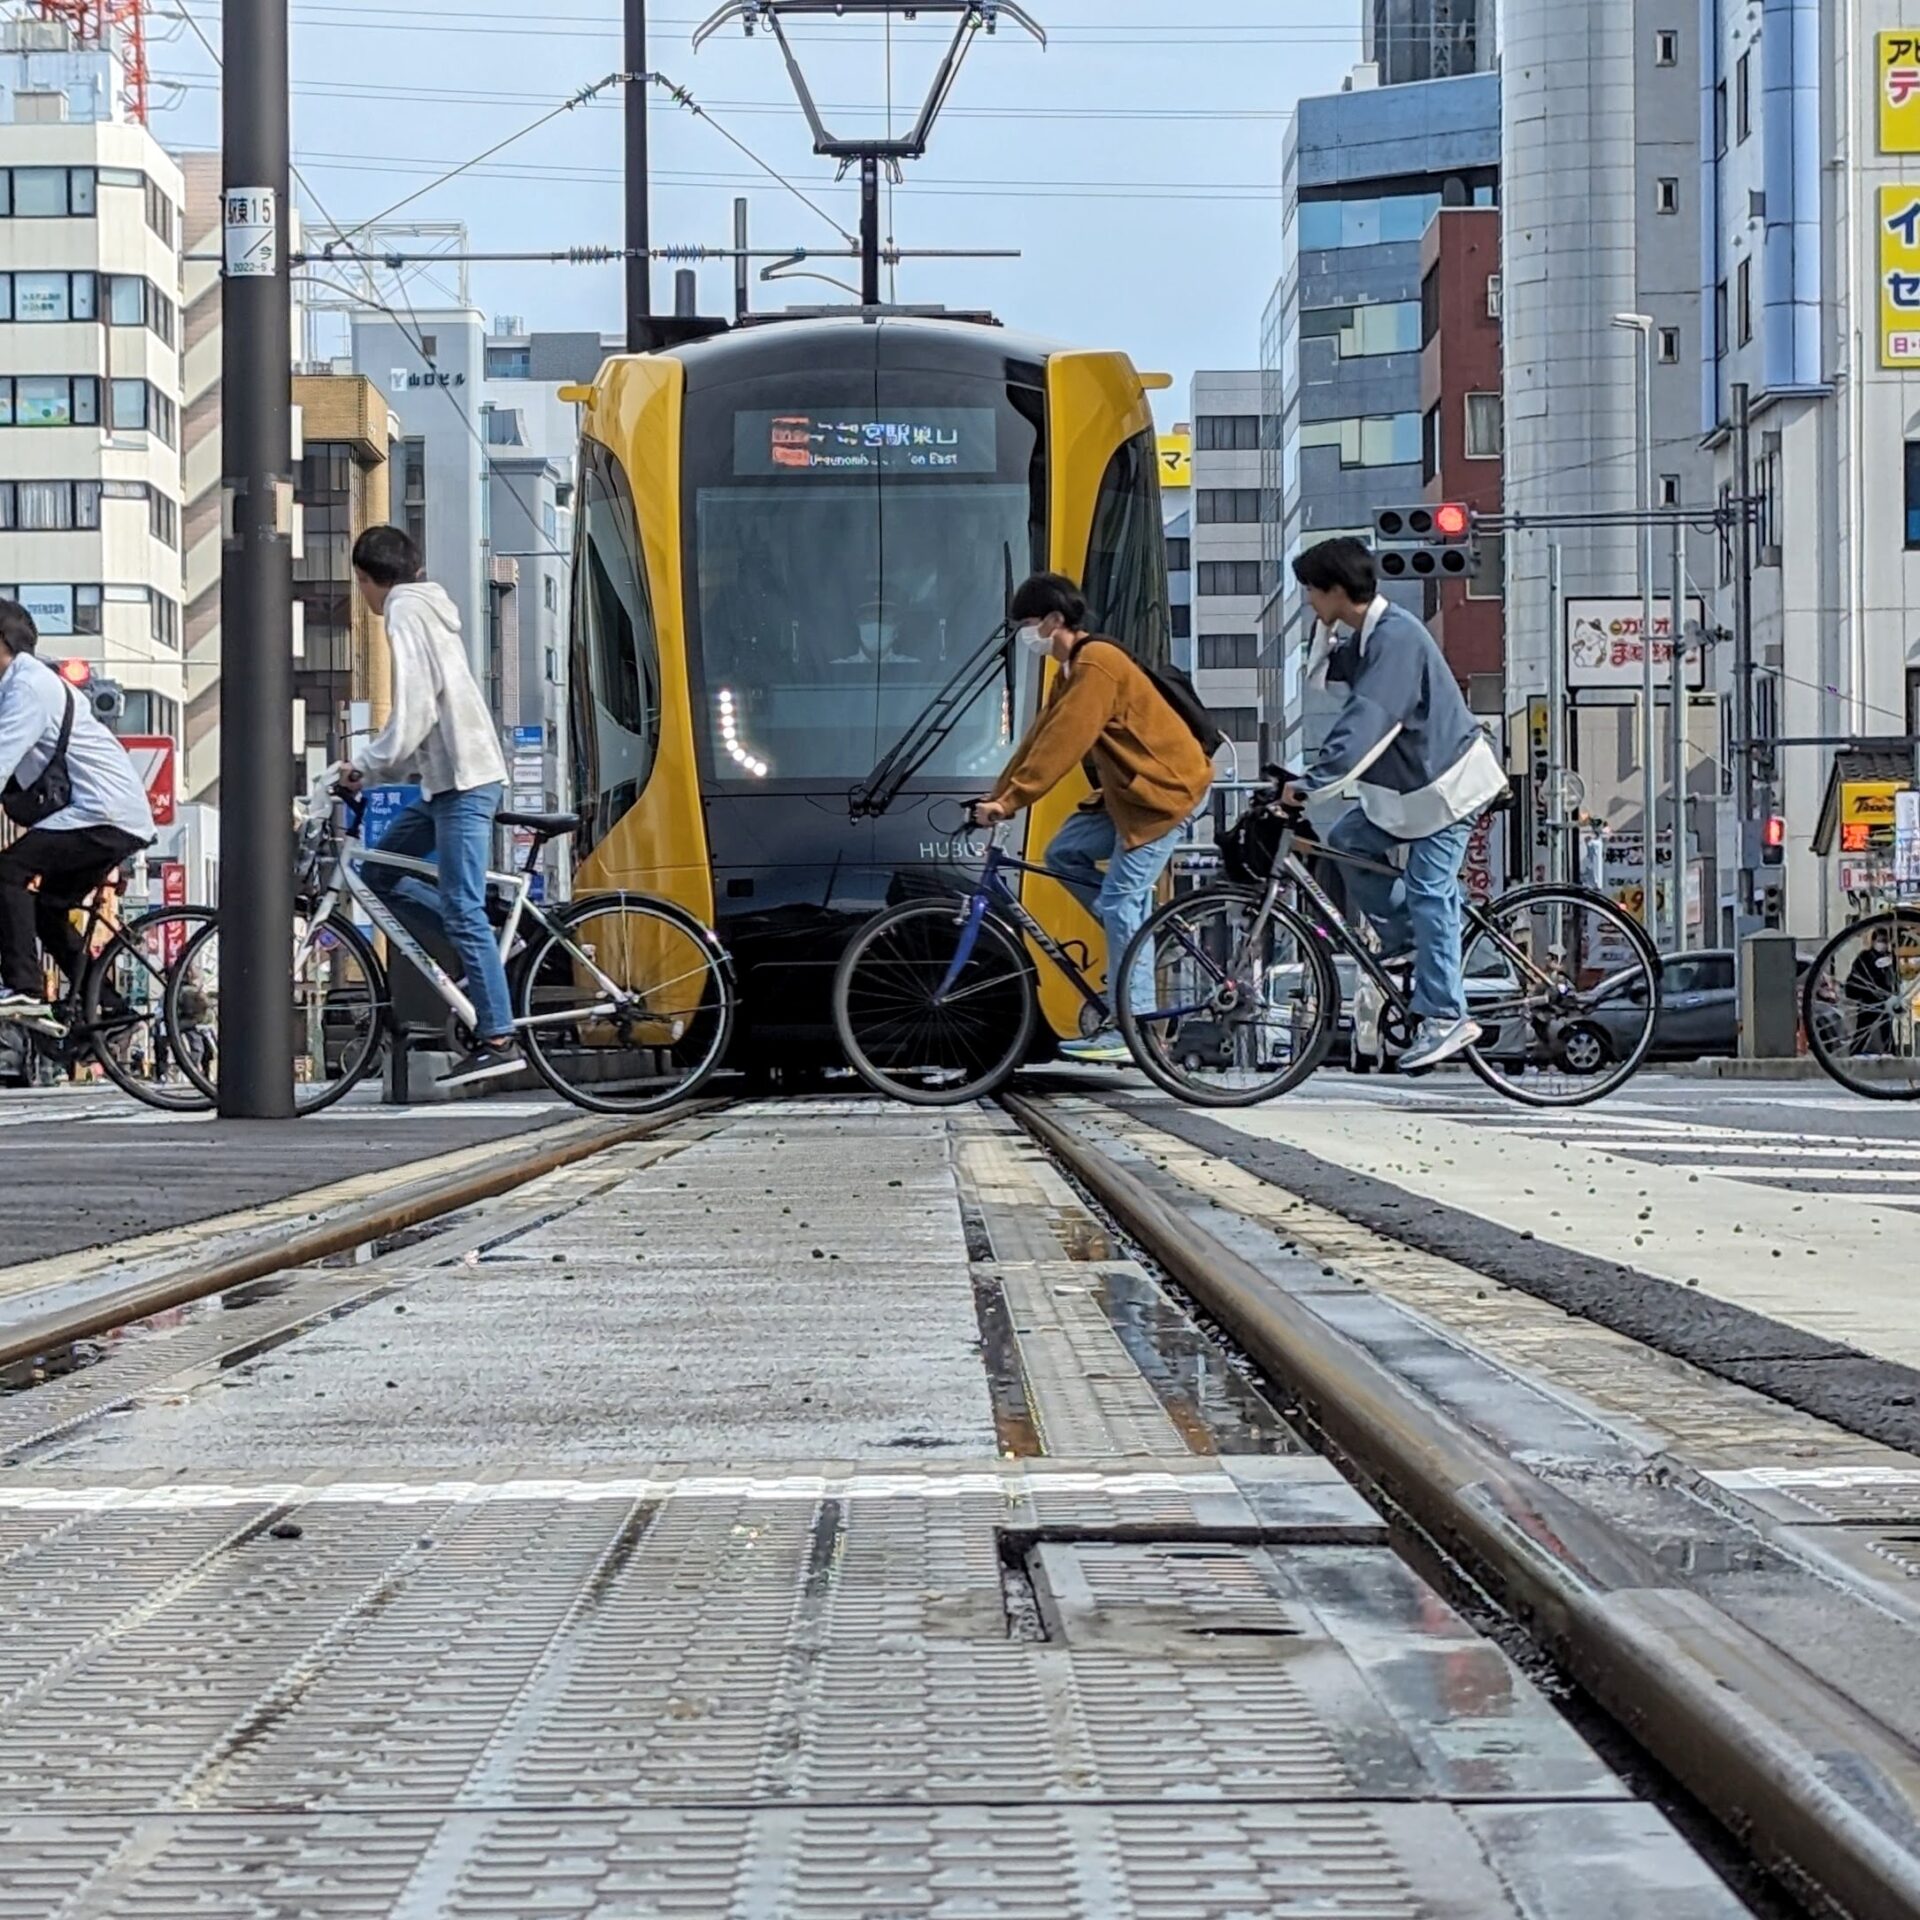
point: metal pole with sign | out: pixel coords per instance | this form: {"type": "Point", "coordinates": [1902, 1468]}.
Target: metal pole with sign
{"type": "Point", "coordinates": [1649, 722]}
{"type": "Point", "coordinates": [256, 572]}
{"type": "Point", "coordinates": [1676, 629]}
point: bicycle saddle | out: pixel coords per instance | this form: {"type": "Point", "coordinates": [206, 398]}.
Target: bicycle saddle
{"type": "Point", "coordinates": [543, 826]}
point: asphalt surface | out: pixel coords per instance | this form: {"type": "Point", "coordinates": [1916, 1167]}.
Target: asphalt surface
{"type": "Point", "coordinates": [91, 1168]}
{"type": "Point", "coordinates": [1787, 1139]}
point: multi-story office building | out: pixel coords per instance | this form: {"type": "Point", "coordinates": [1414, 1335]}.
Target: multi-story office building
{"type": "Point", "coordinates": [1428, 39]}
{"type": "Point", "coordinates": [1365, 172]}
{"type": "Point", "coordinates": [1602, 223]}
{"type": "Point", "coordinates": [1226, 554]}
{"type": "Point", "coordinates": [90, 523]}
{"type": "Point", "coordinates": [1809, 178]}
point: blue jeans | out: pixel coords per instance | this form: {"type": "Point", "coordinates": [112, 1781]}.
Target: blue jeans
{"type": "Point", "coordinates": [455, 830]}
{"type": "Point", "coordinates": [1122, 897]}
{"type": "Point", "coordinates": [1420, 910]}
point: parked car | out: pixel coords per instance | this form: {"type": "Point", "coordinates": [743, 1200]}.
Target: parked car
{"type": "Point", "coordinates": [1699, 1012]}
{"type": "Point", "coordinates": [1490, 982]}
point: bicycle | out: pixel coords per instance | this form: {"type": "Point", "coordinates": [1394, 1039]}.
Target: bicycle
{"type": "Point", "coordinates": [936, 1000]}
{"type": "Point", "coordinates": [623, 1003]}
{"type": "Point", "coordinates": [1860, 1005]}
{"type": "Point", "coordinates": [113, 1015]}
{"type": "Point", "coordinates": [1247, 1003]}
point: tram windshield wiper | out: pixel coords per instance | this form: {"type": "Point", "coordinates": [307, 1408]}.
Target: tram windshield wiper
{"type": "Point", "coordinates": [928, 731]}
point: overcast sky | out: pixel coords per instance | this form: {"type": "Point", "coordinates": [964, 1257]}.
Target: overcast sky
{"type": "Point", "coordinates": [1135, 162]}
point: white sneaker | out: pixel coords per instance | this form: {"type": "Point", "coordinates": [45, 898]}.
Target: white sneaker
{"type": "Point", "coordinates": [1439, 1040]}
{"type": "Point", "coordinates": [22, 1006]}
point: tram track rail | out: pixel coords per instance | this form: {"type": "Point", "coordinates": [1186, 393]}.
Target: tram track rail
{"type": "Point", "coordinates": [499, 1169]}
{"type": "Point", "coordinates": [1823, 1798]}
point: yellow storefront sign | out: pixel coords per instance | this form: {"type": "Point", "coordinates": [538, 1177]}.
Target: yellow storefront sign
{"type": "Point", "coordinates": [1898, 68]}
{"type": "Point", "coordinates": [1176, 460]}
{"type": "Point", "coordinates": [1900, 276]}
{"type": "Point", "coordinates": [1867, 809]}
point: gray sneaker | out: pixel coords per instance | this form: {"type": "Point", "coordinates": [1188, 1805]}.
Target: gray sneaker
{"type": "Point", "coordinates": [1439, 1040]}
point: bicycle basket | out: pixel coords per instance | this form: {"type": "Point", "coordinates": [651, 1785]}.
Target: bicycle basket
{"type": "Point", "coordinates": [1248, 847]}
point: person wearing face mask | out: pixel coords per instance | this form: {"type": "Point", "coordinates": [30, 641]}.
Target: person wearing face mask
{"type": "Point", "coordinates": [1153, 776]}
{"type": "Point", "coordinates": [1406, 747]}
{"type": "Point", "coordinates": [877, 636]}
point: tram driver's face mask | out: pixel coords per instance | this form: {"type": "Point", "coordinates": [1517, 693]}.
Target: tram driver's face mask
{"type": "Point", "coordinates": [876, 637]}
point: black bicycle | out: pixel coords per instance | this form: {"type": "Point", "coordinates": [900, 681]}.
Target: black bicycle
{"type": "Point", "coordinates": [1245, 1001]}
{"type": "Point", "coordinates": [114, 1015]}
{"type": "Point", "coordinates": [1860, 1003]}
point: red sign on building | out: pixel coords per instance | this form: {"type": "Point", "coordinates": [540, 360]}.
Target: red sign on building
{"type": "Point", "coordinates": [153, 759]}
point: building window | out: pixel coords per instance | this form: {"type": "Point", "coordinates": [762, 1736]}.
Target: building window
{"type": "Point", "coordinates": [1720, 121]}
{"type": "Point", "coordinates": [1226, 578]}
{"type": "Point", "coordinates": [553, 667]}
{"type": "Point", "coordinates": [1371, 221]}
{"type": "Point", "coordinates": [550, 592]}
{"type": "Point", "coordinates": [1227, 506]}
{"type": "Point", "coordinates": [1743, 299]}
{"type": "Point", "coordinates": [509, 363]}
{"type": "Point", "coordinates": [49, 400]}
{"type": "Point", "coordinates": [165, 620]}
{"type": "Point", "coordinates": [1668, 348]}
{"type": "Point", "coordinates": [1429, 304]}
{"type": "Point", "coordinates": [49, 506]}
{"type": "Point", "coordinates": [29, 297]}
{"type": "Point", "coordinates": [429, 347]}
{"type": "Point", "coordinates": [126, 300]}
{"type": "Point", "coordinates": [1743, 97]}
{"type": "Point", "coordinates": [159, 212]}
{"type": "Point", "coordinates": [1373, 440]}
{"type": "Point", "coordinates": [1225, 652]}
{"type": "Point", "coordinates": [1666, 48]}
{"type": "Point", "coordinates": [48, 193]}
{"type": "Point", "coordinates": [1367, 328]}
{"type": "Point", "coordinates": [413, 492]}
{"type": "Point", "coordinates": [1181, 615]}
{"type": "Point", "coordinates": [1238, 723]}
{"type": "Point", "coordinates": [1666, 194]}
{"type": "Point", "coordinates": [1720, 320]}
{"type": "Point", "coordinates": [1669, 489]}
{"type": "Point", "coordinates": [1486, 435]}
{"type": "Point", "coordinates": [506, 426]}
{"type": "Point", "coordinates": [59, 611]}
{"type": "Point", "coordinates": [1913, 498]}
{"type": "Point", "coordinates": [1493, 296]}
{"type": "Point", "coordinates": [1180, 556]}
{"type": "Point", "coordinates": [1430, 444]}
{"type": "Point", "coordinates": [1227, 433]}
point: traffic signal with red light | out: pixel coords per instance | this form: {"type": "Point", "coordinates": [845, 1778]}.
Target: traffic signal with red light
{"type": "Point", "coordinates": [1773, 841]}
{"type": "Point", "coordinates": [76, 673]}
{"type": "Point", "coordinates": [1424, 542]}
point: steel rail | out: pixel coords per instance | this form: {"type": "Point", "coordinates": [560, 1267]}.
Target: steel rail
{"type": "Point", "coordinates": [1787, 1765]}
{"type": "Point", "coordinates": [178, 1286]}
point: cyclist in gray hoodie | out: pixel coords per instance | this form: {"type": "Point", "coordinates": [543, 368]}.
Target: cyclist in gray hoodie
{"type": "Point", "coordinates": [1406, 747]}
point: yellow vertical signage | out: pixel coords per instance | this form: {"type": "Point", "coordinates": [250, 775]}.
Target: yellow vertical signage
{"type": "Point", "coordinates": [1898, 68]}
{"type": "Point", "coordinates": [1900, 276]}
{"type": "Point", "coordinates": [1176, 460]}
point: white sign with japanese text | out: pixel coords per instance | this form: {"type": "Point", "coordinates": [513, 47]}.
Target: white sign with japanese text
{"type": "Point", "coordinates": [251, 226]}
{"type": "Point", "coordinates": [1604, 647]}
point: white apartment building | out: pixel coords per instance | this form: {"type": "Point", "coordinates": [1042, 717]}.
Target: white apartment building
{"type": "Point", "coordinates": [90, 520]}
{"type": "Point", "coordinates": [1225, 548]}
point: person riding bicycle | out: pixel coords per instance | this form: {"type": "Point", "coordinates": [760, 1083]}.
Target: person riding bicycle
{"type": "Point", "coordinates": [1406, 747]}
{"type": "Point", "coordinates": [69, 782]}
{"type": "Point", "coordinates": [438, 733]}
{"type": "Point", "coordinates": [1152, 773]}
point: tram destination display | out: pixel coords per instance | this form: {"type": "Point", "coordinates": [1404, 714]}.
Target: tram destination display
{"type": "Point", "coordinates": [903, 440]}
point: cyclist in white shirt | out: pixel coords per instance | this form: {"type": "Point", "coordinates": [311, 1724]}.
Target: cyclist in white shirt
{"type": "Point", "coordinates": [104, 821]}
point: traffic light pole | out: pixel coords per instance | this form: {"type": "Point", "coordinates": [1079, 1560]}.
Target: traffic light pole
{"type": "Point", "coordinates": [256, 572]}
{"type": "Point", "coordinates": [639, 265]}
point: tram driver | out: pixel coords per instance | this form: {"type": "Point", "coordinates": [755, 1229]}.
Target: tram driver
{"type": "Point", "coordinates": [1153, 776]}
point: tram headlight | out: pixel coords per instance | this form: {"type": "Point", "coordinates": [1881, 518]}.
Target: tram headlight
{"type": "Point", "coordinates": [730, 737]}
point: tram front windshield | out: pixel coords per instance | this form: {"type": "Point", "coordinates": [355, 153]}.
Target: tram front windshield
{"type": "Point", "coordinates": [849, 558]}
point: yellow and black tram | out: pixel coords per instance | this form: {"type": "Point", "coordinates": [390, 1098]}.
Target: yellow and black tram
{"type": "Point", "coordinates": [789, 536]}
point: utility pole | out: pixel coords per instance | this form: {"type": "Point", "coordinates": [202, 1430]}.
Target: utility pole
{"type": "Point", "coordinates": [1558, 866]}
{"type": "Point", "coordinates": [1649, 719]}
{"type": "Point", "coordinates": [639, 266]}
{"type": "Point", "coordinates": [256, 571]}
{"type": "Point", "coordinates": [739, 259]}
{"type": "Point", "coordinates": [1743, 644]}
{"type": "Point", "coordinates": [1677, 626]}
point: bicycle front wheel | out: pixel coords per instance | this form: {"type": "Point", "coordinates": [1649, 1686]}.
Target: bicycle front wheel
{"type": "Point", "coordinates": [123, 1009]}
{"type": "Point", "coordinates": [1861, 1006]}
{"type": "Point", "coordinates": [626, 1004]}
{"type": "Point", "coordinates": [1244, 999]}
{"type": "Point", "coordinates": [926, 1017]}
{"type": "Point", "coordinates": [339, 1017]}
{"type": "Point", "coordinates": [1566, 987]}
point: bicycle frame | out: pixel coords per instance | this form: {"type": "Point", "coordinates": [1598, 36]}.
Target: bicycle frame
{"type": "Point", "coordinates": [352, 856]}
{"type": "Point", "coordinates": [994, 891]}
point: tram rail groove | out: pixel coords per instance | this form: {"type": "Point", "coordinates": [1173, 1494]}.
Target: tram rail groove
{"type": "Point", "coordinates": [178, 1286]}
{"type": "Point", "coordinates": [1755, 1740]}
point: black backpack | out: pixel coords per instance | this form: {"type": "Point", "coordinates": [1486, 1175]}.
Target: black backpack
{"type": "Point", "coordinates": [1176, 688]}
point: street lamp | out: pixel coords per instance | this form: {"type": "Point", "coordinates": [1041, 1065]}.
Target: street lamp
{"type": "Point", "coordinates": [1642, 324]}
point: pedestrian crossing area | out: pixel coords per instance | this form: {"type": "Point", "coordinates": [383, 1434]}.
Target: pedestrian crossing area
{"type": "Point", "coordinates": [1792, 1150]}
